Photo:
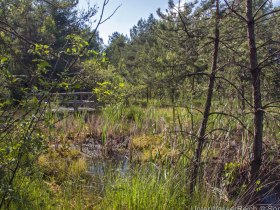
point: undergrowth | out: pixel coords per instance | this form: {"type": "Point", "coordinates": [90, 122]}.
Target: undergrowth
{"type": "Point", "coordinates": [159, 148]}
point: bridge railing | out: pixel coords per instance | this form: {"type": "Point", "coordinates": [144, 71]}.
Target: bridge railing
{"type": "Point", "coordinates": [72, 101]}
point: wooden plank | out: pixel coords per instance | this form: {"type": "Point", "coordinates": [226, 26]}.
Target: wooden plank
{"type": "Point", "coordinates": [72, 93]}
{"type": "Point", "coordinates": [67, 109]}
{"type": "Point", "coordinates": [77, 101]}
{"type": "Point", "coordinates": [90, 94]}
{"type": "Point", "coordinates": [72, 105]}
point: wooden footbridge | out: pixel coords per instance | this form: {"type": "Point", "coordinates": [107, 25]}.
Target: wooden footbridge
{"type": "Point", "coordinates": [72, 102]}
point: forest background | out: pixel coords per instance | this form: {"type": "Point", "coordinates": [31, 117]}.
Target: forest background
{"type": "Point", "coordinates": [190, 98]}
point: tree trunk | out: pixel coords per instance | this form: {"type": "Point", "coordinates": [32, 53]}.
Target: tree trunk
{"type": "Point", "coordinates": [207, 106]}
{"type": "Point", "coordinates": [147, 95]}
{"type": "Point", "coordinates": [243, 104]}
{"type": "Point", "coordinates": [256, 83]}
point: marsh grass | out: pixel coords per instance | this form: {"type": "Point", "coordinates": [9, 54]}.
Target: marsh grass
{"type": "Point", "coordinates": [161, 148]}
{"type": "Point", "coordinates": [30, 193]}
{"type": "Point", "coordinates": [149, 186]}
{"type": "Point", "coordinates": [146, 188]}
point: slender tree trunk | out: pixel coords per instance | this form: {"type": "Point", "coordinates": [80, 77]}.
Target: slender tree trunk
{"type": "Point", "coordinates": [207, 106]}
{"type": "Point", "coordinates": [256, 82]}
{"type": "Point", "coordinates": [243, 105]}
{"type": "Point", "coordinates": [147, 95]}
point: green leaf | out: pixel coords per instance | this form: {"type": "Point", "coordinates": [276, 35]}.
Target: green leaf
{"type": "Point", "coordinates": [3, 59]}
{"type": "Point", "coordinates": [44, 64]}
{"type": "Point", "coordinates": [64, 85]}
{"type": "Point", "coordinates": [94, 52]}
{"type": "Point", "coordinates": [77, 86]}
{"type": "Point", "coordinates": [35, 100]}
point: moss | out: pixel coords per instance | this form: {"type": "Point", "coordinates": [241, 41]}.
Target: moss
{"type": "Point", "coordinates": [143, 142]}
{"type": "Point", "coordinates": [153, 148]}
{"type": "Point", "coordinates": [62, 165]}
{"type": "Point", "coordinates": [78, 167]}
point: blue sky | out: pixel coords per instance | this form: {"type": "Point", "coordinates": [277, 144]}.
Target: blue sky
{"type": "Point", "coordinates": [128, 14]}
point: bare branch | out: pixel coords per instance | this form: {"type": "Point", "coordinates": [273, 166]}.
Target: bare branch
{"type": "Point", "coordinates": [234, 117]}
{"type": "Point", "coordinates": [111, 14]}
{"type": "Point", "coordinates": [263, 4]}
{"type": "Point", "coordinates": [235, 12]}
{"type": "Point", "coordinates": [100, 21]}
{"type": "Point", "coordinates": [269, 13]}
{"type": "Point", "coordinates": [269, 105]}
{"type": "Point", "coordinates": [267, 58]}
{"type": "Point", "coordinates": [236, 88]}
